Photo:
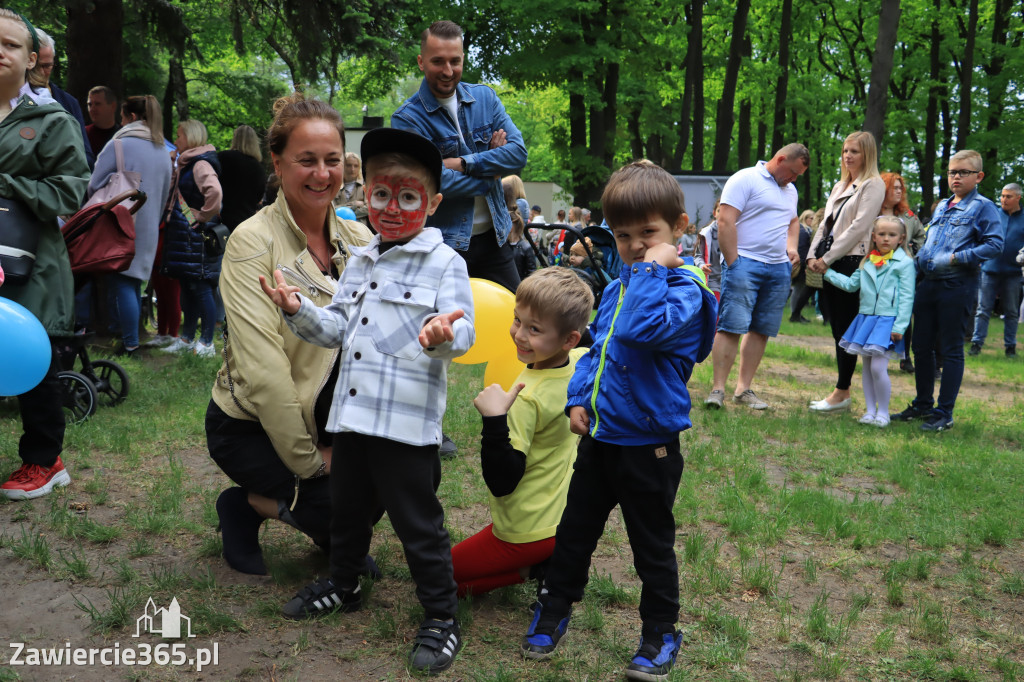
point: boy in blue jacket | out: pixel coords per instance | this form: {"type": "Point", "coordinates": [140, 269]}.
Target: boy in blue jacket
{"type": "Point", "coordinates": [629, 402]}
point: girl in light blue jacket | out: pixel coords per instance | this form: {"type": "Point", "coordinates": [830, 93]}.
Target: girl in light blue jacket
{"type": "Point", "coordinates": [886, 282]}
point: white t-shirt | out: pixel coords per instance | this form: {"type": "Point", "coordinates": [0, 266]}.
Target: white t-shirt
{"type": "Point", "coordinates": [765, 213]}
{"type": "Point", "coordinates": [481, 213]}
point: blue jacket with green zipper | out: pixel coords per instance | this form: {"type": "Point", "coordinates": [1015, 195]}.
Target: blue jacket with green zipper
{"type": "Point", "coordinates": [653, 325]}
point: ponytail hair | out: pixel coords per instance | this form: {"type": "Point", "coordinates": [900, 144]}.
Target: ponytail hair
{"type": "Point", "coordinates": [145, 108]}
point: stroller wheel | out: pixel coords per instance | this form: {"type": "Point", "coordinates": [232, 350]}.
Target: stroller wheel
{"type": "Point", "coordinates": [80, 396]}
{"type": "Point", "coordinates": [111, 382]}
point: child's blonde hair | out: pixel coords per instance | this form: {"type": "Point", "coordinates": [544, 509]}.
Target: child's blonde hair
{"type": "Point", "coordinates": [970, 156]}
{"type": "Point", "coordinates": [558, 295]}
{"type": "Point", "coordinates": [892, 220]}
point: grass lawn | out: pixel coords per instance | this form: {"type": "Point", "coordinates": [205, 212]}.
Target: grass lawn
{"type": "Point", "coordinates": [810, 546]}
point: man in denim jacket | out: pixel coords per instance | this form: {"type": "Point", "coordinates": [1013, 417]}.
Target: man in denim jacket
{"type": "Point", "coordinates": [964, 232]}
{"type": "Point", "coordinates": [478, 142]}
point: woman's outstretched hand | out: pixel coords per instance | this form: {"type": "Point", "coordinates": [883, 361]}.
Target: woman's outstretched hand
{"type": "Point", "coordinates": [285, 296]}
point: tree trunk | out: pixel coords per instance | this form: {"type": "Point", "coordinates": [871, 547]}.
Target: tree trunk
{"type": "Point", "coordinates": [724, 117]}
{"type": "Point", "coordinates": [743, 139]}
{"type": "Point", "coordinates": [94, 38]}
{"type": "Point", "coordinates": [785, 36]}
{"type": "Point", "coordinates": [998, 83]}
{"type": "Point", "coordinates": [179, 86]}
{"type": "Point", "coordinates": [694, 83]}
{"type": "Point", "coordinates": [926, 160]}
{"type": "Point", "coordinates": [963, 126]}
{"type": "Point", "coordinates": [636, 143]}
{"type": "Point", "coordinates": [881, 69]}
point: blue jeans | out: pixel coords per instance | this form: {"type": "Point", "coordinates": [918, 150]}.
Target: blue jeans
{"type": "Point", "coordinates": [125, 304]}
{"type": "Point", "coordinates": [941, 309]}
{"type": "Point", "coordinates": [1007, 287]}
{"type": "Point", "coordinates": [753, 296]}
{"type": "Point", "coordinates": [198, 303]}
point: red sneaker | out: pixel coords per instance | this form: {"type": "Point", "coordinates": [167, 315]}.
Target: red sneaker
{"type": "Point", "coordinates": [31, 481]}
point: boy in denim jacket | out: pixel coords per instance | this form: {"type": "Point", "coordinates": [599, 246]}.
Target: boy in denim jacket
{"type": "Point", "coordinates": [629, 402]}
{"type": "Point", "coordinates": [964, 232]}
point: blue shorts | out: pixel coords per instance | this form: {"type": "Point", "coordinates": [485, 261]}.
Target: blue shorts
{"type": "Point", "coordinates": [753, 296]}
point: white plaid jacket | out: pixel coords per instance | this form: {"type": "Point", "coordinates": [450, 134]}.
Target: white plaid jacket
{"type": "Point", "coordinates": [388, 385]}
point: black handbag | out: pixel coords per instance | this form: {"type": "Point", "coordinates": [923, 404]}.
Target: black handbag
{"type": "Point", "coordinates": [19, 240]}
{"type": "Point", "coordinates": [215, 237]}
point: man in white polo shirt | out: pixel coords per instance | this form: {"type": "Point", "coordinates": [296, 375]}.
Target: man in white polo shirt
{"type": "Point", "coordinates": [758, 229]}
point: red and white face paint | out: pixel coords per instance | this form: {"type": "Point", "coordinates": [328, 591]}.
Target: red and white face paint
{"type": "Point", "coordinates": [397, 206]}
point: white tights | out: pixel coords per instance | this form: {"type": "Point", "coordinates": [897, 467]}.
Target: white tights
{"type": "Point", "coordinates": [877, 387]}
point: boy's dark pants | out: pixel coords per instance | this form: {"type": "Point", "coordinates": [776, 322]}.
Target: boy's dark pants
{"type": "Point", "coordinates": [368, 472]}
{"type": "Point", "coordinates": [941, 308]}
{"type": "Point", "coordinates": [644, 486]}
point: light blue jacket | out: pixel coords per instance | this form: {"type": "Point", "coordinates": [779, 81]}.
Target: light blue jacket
{"type": "Point", "coordinates": [887, 291]}
{"type": "Point", "coordinates": [480, 113]}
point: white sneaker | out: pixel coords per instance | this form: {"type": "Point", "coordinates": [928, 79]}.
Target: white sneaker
{"type": "Point", "coordinates": [178, 345]}
{"type": "Point", "coordinates": [159, 340]}
{"type": "Point", "coordinates": [205, 350]}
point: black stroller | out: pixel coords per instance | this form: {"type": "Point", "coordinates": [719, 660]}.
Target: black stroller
{"type": "Point", "coordinates": [98, 239]}
{"type": "Point", "coordinates": [598, 236]}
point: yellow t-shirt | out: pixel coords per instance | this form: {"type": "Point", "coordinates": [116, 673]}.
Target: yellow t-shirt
{"type": "Point", "coordinates": [539, 428]}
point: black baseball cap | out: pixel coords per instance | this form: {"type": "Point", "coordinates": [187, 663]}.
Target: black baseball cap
{"type": "Point", "coordinates": [392, 140]}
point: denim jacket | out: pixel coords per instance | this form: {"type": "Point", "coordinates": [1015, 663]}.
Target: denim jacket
{"type": "Point", "coordinates": [480, 114]}
{"type": "Point", "coordinates": [970, 229]}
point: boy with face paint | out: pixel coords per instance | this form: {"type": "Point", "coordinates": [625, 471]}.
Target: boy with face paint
{"type": "Point", "coordinates": [402, 311]}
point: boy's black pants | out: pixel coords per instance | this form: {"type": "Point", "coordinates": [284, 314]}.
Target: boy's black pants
{"type": "Point", "coordinates": [643, 481]}
{"type": "Point", "coordinates": [368, 472]}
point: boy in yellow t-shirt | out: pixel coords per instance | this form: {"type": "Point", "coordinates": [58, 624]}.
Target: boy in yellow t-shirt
{"type": "Point", "coordinates": [526, 448]}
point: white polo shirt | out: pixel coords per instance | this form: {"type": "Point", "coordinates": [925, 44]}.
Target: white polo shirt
{"type": "Point", "coordinates": [765, 213]}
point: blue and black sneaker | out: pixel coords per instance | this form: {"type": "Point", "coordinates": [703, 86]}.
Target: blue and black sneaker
{"type": "Point", "coordinates": [654, 659]}
{"type": "Point", "coordinates": [550, 621]}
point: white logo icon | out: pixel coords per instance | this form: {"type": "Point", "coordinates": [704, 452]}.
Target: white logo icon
{"type": "Point", "coordinates": [163, 622]}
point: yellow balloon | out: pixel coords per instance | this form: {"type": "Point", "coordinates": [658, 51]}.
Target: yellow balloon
{"type": "Point", "coordinates": [493, 309]}
{"type": "Point", "coordinates": [504, 371]}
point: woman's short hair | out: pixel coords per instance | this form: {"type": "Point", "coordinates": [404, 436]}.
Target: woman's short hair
{"type": "Point", "coordinates": [246, 140]}
{"type": "Point", "coordinates": [865, 141]}
{"type": "Point", "coordinates": [146, 109]}
{"type": "Point", "coordinates": [194, 133]}
{"type": "Point", "coordinates": [890, 180]}
{"type": "Point", "coordinates": [292, 110]}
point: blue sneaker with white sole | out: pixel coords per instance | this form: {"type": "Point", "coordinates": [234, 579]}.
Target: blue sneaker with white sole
{"type": "Point", "coordinates": [653, 661]}
{"type": "Point", "coordinates": [550, 621]}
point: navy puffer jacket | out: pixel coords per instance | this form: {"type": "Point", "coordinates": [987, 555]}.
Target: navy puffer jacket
{"type": "Point", "coordinates": [185, 255]}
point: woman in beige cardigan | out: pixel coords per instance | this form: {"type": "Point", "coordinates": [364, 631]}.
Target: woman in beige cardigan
{"type": "Point", "coordinates": [841, 243]}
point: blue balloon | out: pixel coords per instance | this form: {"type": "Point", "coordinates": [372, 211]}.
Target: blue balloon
{"type": "Point", "coordinates": [345, 213]}
{"type": "Point", "coordinates": [24, 349]}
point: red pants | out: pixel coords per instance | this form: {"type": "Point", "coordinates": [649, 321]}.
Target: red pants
{"type": "Point", "coordinates": [483, 562]}
{"type": "Point", "coordinates": [168, 303]}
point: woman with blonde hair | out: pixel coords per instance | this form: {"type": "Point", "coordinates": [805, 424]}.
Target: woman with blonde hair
{"type": "Point", "coordinates": [141, 143]}
{"type": "Point", "coordinates": [352, 195]}
{"type": "Point", "coordinates": [842, 241]}
{"type": "Point", "coordinates": [187, 255]}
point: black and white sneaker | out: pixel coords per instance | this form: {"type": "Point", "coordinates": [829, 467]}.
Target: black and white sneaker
{"type": "Point", "coordinates": [321, 598]}
{"type": "Point", "coordinates": [435, 646]}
